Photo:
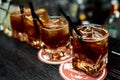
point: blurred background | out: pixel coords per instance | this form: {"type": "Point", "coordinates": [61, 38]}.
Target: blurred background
{"type": "Point", "coordinates": [80, 11]}
{"type": "Point", "coordinates": [95, 11]}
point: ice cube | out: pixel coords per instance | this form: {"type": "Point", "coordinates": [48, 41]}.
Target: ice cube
{"type": "Point", "coordinates": [96, 35]}
{"type": "Point", "coordinates": [53, 24]}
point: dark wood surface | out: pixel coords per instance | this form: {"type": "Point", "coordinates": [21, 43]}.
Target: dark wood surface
{"type": "Point", "coordinates": [18, 61]}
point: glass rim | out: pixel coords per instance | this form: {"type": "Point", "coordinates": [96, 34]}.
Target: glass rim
{"type": "Point", "coordinates": [96, 26]}
{"type": "Point", "coordinates": [90, 24]}
{"type": "Point", "coordinates": [56, 17]}
{"type": "Point", "coordinates": [17, 14]}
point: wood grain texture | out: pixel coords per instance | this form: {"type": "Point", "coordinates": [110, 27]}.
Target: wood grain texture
{"type": "Point", "coordinates": [18, 61]}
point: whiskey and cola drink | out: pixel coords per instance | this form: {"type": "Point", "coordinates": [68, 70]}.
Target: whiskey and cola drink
{"type": "Point", "coordinates": [91, 50]}
{"type": "Point", "coordinates": [23, 26]}
{"type": "Point", "coordinates": [17, 25]}
{"type": "Point", "coordinates": [55, 35]}
{"type": "Point", "coordinates": [32, 31]}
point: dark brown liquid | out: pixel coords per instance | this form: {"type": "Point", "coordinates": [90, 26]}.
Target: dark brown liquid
{"type": "Point", "coordinates": [17, 23]}
{"type": "Point", "coordinates": [55, 34]}
{"type": "Point", "coordinates": [59, 40]}
{"type": "Point", "coordinates": [23, 26]}
{"type": "Point", "coordinates": [90, 54]}
{"type": "Point", "coordinates": [30, 29]}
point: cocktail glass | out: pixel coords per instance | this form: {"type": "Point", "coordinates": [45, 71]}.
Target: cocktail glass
{"type": "Point", "coordinates": [32, 27]}
{"type": "Point", "coordinates": [17, 24]}
{"type": "Point", "coordinates": [91, 50]}
{"type": "Point", "coordinates": [56, 38]}
{"type": "Point", "coordinates": [24, 28]}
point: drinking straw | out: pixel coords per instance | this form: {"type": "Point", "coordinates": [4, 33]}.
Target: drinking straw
{"type": "Point", "coordinates": [39, 20]}
{"type": "Point", "coordinates": [34, 14]}
{"type": "Point", "coordinates": [21, 8]}
{"type": "Point", "coordinates": [72, 26]}
{"type": "Point", "coordinates": [34, 18]}
{"type": "Point", "coordinates": [22, 11]}
{"type": "Point", "coordinates": [85, 48]}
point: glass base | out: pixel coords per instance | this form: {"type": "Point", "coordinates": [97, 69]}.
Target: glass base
{"type": "Point", "coordinates": [46, 58]}
{"type": "Point", "coordinates": [68, 73]}
{"type": "Point", "coordinates": [35, 43]}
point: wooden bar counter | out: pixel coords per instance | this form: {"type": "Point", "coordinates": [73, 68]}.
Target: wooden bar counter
{"type": "Point", "coordinates": [18, 61]}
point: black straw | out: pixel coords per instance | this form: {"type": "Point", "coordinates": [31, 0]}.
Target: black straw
{"type": "Point", "coordinates": [39, 20]}
{"type": "Point", "coordinates": [71, 23]}
{"type": "Point", "coordinates": [21, 8]}
{"type": "Point", "coordinates": [34, 14]}
{"type": "Point", "coordinates": [34, 18]}
{"type": "Point", "coordinates": [79, 36]}
{"type": "Point", "coordinates": [85, 47]}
